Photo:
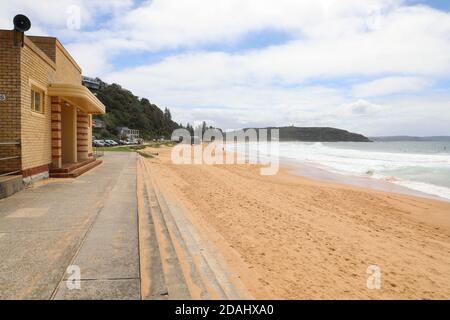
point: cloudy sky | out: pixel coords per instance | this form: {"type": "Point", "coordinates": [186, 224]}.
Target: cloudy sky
{"type": "Point", "coordinates": [378, 67]}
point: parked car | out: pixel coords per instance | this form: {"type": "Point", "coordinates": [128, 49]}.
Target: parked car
{"type": "Point", "coordinates": [107, 143]}
{"type": "Point", "coordinates": [98, 143]}
{"type": "Point", "coordinates": [111, 143]}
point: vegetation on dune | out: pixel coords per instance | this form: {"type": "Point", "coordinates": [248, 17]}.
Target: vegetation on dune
{"type": "Point", "coordinates": [316, 134]}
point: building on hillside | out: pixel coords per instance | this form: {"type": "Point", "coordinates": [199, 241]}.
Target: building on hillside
{"type": "Point", "coordinates": [128, 134]}
{"type": "Point", "coordinates": [93, 84]}
{"type": "Point", "coordinates": [45, 111]}
{"type": "Point", "coordinates": [98, 124]}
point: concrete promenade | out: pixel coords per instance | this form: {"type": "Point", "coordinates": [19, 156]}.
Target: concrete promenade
{"type": "Point", "coordinates": [89, 222]}
{"type": "Point", "coordinates": [109, 234]}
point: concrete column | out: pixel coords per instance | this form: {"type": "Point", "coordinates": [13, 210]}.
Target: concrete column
{"type": "Point", "coordinates": [82, 135]}
{"type": "Point", "coordinates": [56, 133]}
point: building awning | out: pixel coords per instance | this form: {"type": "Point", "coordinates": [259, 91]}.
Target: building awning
{"type": "Point", "coordinates": [79, 96]}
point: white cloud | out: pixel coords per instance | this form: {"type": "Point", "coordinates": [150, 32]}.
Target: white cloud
{"type": "Point", "coordinates": [45, 14]}
{"type": "Point", "coordinates": [330, 38]}
{"type": "Point", "coordinates": [349, 40]}
{"type": "Point", "coordinates": [390, 85]}
{"type": "Point", "coordinates": [93, 62]}
{"type": "Point", "coordinates": [395, 48]}
{"type": "Point", "coordinates": [269, 86]}
{"type": "Point", "coordinates": [362, 108]}
{"type": "Point", "coordinates": [172, 23]}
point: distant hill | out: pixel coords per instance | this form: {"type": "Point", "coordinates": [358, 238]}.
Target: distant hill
{"type": "Point", "coordinates": [124, 109]}
{"type": "Point", "coordinates": [410, 138]}
{"type": "Point", "coordinates": [317, 134]}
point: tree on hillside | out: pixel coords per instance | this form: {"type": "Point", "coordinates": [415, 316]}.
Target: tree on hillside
{"type": "Point", "coordinates": [123, 109]}
{"type": "Point", "coordinates": [190, 128]}
{"type": "Point", "coordinates": [204, 128]}
{"type": "Point", "coordinates": [167, 115]}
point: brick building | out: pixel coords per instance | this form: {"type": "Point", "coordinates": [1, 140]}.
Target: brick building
{"type": "Point", "coordinates": [45, 112]}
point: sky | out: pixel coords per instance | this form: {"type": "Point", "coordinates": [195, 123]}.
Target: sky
{"type": "Point", "coordinates": [376, 67]}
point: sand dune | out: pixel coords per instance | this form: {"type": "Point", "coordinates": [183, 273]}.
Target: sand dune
{"type": "Point", "coordinates": [289, 237]}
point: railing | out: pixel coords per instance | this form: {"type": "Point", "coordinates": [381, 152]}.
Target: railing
{"type": "Point", "coordinates": [9, 143]}
{"type": "Point", "coordinates": [97, 152]}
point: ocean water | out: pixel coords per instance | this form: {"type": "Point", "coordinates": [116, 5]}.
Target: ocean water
{"type": "Point", "coordinates": [421, 166]}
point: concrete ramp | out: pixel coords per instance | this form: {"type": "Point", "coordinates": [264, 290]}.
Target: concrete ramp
{"type": "Point", "coordinates": [47, 231]}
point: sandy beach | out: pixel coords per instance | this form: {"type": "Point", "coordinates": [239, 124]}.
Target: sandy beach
{"type": "Point", "coordinates": [289, 237]}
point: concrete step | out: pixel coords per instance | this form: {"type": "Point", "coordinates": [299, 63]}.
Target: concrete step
{"type": "Point", "coordinates": [79, 170]}
{"type": "Point", "coordinates": [216, 279]}
{"type": "Point", "coordinates": [192, 268]}
{"type": "Point", "coordinates": [204, 270]}
{"type": "Point", "coordinates": [172, 272]}
{"type": "Point", "coordinates": [72, 167]}
{"type": "Point", "coordinates": [201, 278]}
{"type": "Point", "coordinates": [153, 283]}
{"type": "Point", "coordinates": [10, 185]}
{"type": "Point", "coordinates": [200, 285]}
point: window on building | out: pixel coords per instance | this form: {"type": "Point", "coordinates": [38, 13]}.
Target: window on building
{"type": "Point", "coordinates": [37, 100]}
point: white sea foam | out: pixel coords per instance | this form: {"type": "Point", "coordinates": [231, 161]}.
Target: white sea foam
{"type": "Point", "coordinates": [424, 167]}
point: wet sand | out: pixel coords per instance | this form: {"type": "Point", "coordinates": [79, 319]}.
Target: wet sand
{"type": "Point", "coordinates": [290, 237]}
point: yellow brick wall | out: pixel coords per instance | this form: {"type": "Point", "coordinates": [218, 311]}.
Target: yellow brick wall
{"type": "Point", "coordinates": [34, 64]}
{"type": "Point", "coordinates": [46, 44]}
{"type": "Point", "coordinates": [9, 109]}
{"type": "Point", "coordinates": [36, 127]}
{"type": "Point", "coordinates": [67, 71]}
